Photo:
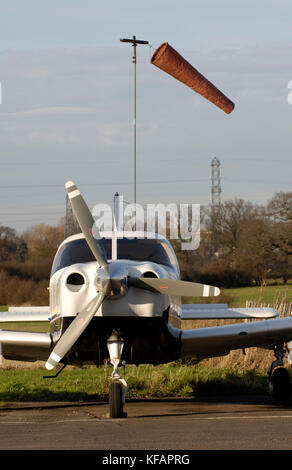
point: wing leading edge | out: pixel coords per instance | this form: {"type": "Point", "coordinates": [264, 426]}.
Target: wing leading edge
{"type": "Point", "coordinates": [19, 314]}
{"type": "Point", "coordinates": [220, 340]}
{"type": "Point", "coordinates": [221, 311]}
{"type": "Point", "coordinates": [25, 345]}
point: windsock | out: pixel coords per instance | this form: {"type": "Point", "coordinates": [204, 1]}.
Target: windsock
{"type": "Point", "coordinates": [170, 61]}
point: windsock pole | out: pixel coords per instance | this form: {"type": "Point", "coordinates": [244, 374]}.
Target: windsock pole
{"type": "Point", "coordinates": [134, 43]}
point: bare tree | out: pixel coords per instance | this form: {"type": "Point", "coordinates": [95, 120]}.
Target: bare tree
{"type": "Point", "coordinates": [42, 241]}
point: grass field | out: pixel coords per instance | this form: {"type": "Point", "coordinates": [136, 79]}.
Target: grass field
{"type": "Point", "coordinates": [267, 295]}
{"type": "Point", "coordinates": [145, 381]}
{"type": "Point", "coordinates": [233, 374]}
{"type": "Point", "coordinates": [237, 297]}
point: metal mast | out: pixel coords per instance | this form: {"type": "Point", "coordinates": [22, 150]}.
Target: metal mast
{"type": "Point", "coordinates": [216, 182]}
{"type": "Point", "coordinates": [134, 43]}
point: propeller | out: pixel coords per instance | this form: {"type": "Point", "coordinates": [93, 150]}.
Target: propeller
{"type": "Point", "coordinates": [86, 223]}
{"type": "Point", "coordinates": [112, 281]}
{"type": "Point", "coordinates": [74, 330]}
{"type": "Point", "coordinates": [82, 320]}
{"type": "Point", "coordinates": [174, 287]}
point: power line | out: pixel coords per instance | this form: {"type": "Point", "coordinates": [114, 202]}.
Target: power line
{"type": "Point", "coordinates": [26, 186]}
{"type": "Point", "coordinates": [199, 180]}
{"type": "Point", "coordinates": [5, 214]}
{"type": "Point", "coordinates": [236, 180]}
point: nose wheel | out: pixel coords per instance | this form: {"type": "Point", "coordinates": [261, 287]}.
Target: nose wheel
{"type": "Point", "coordinates": [115, 400]}
{"type": "Point", "coordinates": [118, 386]}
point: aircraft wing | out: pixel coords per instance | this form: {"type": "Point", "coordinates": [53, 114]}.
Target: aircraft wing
{"type": "Point", "coordinates": [25, 314]}
{"type": "Point", "coordinates": [220, 340]}
{"type": "Point", "coordinates": [221, 311]}
{"type": "Point", "coordinates": [25, 345]}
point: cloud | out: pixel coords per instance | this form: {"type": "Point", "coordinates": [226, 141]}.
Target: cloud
{"type": "Point", "coordinates": [46, 137]}
{"type": "Point", "coordinates": [65, 77]}
{"type": "Point", "coordinates": [49, 111]}
{"type": "Point", "coordinates": [101, 78]}
{"type": "Point", "coordinates": [79, 103]}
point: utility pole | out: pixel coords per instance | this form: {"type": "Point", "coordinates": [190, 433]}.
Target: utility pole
{"type": "Point", "coordinates": [134, 43]}
{"type": "Point", "coordinates": [216, 182]}
{"type": "Point", "coordinates": [215, 203]}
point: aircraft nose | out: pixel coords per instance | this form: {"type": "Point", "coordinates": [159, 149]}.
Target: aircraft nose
{"type": "Point", "coordinates": [118, 276]}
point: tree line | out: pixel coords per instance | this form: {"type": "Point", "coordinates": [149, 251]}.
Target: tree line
{"type": "Point", "coordinates": [241, 244]}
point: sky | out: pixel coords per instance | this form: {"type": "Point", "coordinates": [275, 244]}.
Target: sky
{"type": "Point", "coordinates": [67, 103]}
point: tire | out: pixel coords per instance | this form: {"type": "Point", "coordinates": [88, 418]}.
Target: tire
{"type": "Point", "coordinates": [281, 386]}
{"type": "Point", "coordinates": [115, 400]}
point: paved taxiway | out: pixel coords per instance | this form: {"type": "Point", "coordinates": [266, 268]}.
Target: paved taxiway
{"type": "Point", "coordinates": [237, 423]}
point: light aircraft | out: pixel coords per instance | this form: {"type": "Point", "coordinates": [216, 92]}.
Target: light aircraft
{"type": "Point", "coordinates": [117, 296]}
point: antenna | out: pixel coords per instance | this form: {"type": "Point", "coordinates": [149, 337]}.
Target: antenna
{"type": "Point", "coordinates": [216, 182]}
{"type": "Point", "coordinates": [117, 223]}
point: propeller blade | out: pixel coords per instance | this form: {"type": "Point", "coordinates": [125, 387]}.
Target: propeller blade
{"type": "Point", "coordinates": [174, 287]}
{"type": "Point", "coordinates": [86, 222]}
{"type": "Point", "coordinates": [74, 330]}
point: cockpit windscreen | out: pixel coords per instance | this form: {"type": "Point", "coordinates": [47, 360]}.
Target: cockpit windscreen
{"type": "Point", "coordinates": [135, 249]}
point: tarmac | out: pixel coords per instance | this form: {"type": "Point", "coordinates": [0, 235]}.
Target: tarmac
{"type": "Point", "coordinates": [217, 423]}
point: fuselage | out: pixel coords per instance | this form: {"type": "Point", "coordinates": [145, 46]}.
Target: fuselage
{"type": "Point", "coordinates": [148, 322]}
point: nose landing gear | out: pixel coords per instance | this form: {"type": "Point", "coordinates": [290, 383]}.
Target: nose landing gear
{"type": "Point", "coordinates": [278, 376]}
{"type": "Point", "coordinates": [118, 386]}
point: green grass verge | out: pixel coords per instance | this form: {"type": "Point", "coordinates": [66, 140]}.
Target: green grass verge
{"type": "Point", "coordinates": [171, 380]}
{"type": "Point", "coordinates": [266, 295]}
{"type": "Point", "coordinates": [39, 327]}
{"type": "Point", "coordinates": [146, 381]}
{"type": "Point", "coordinates": [269, 294]}
{"type": "Point", "coordinates": [237, 297]}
